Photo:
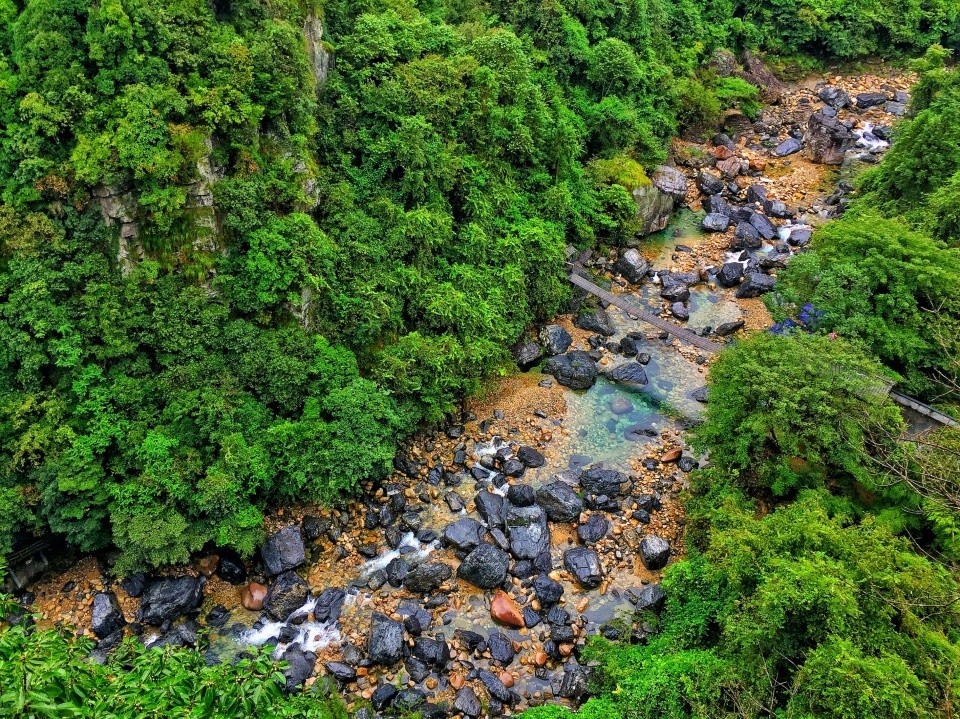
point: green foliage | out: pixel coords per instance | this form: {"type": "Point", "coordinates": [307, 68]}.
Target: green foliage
{"type": "Point", "coordinates": [802, 612]}
{"type": "Point", "coordinates": [879, 282]}
{"type": "Point", "coordinates": [46, 674]}
{"type": "Point", "coordinates": [789, 412]}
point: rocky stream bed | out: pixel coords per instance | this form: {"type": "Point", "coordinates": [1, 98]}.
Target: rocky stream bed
{"type": "Point", "coordinates": [468, 582]}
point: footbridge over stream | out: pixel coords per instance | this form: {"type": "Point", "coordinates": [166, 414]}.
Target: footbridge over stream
{"type": "Point", "coordinates": [921, 416]}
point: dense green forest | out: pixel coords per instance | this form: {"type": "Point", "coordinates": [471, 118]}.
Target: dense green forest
{"type": "Point", "coordinates": [247, 246]}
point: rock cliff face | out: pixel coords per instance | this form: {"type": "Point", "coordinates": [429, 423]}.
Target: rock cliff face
{"type": "Point", "coordinates": [321, 59]}
{"type": "Point", "coordinates": [656, 201]}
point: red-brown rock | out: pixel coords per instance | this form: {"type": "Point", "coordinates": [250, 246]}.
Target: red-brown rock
{"type": "Point", "coordinates": [505, 610]}
{"type": "Point", "coordinates": [672, 456]}
{"type": "Point", "coordinates": [253, 596]}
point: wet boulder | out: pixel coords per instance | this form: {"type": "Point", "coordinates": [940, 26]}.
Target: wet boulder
{"type": "Point", "coordinates": [600, 481]}
{"type": "Point", "coordinates": [632, 266]}
{"type": "Point", "coordinates": [630, 374]}
{"type": "Point", "coordinates": [730, 274]}
{"type": "Point", "coordinates": [434, 652]}
{"type": "Point", "coordinates": [427, 577]}
{"type": "Point", "coordinates": [283, 550]}
{"type": "Point", "coordinates": [575, 684]}
{"type": "Point", "coordinates": [728, 328]}
{"type": "Point", "coordinates": [789, 146]}
{"type": "Point", "coordinates": [396, 571]}
{"type": "Point", "coordinates": [385, 640]}
{"type": "Point", "coordinates": [716, 205]}
{"type": "Point", "coordinates": [495, 687]}
{"type": "Point", "coordinates": [834, 97]}
{"type": "Point", "coordinates": [593, 530]}
{"type": "Point", "coordinates": [231, 568]}
{"type": "Point", "coordinates": [584, 565]}
{"type": "Point", "coordinates": [754, 285]}
{"type": "Point", "coordinates": [594, 320]}
{"type": "Point", "coordinates": [106, 617]}
{"type": "Point", "coordinates": [501, 648]}
{"type": "Point", "coordinates": [300, 665]}
{"type": "Point", "coordinates": [342, 672]}
{"type": "Point", "coordinates": [763, 226]}
{"type": "Point", "coordinates": [653, 208]}
{"type": "Point", "coordinates": [778, 209]}
{"type": "Point", "coordinates": [329, 604]}
{"type": "Point", "coordinates": [287, 594]}
{"type": "Point", "coordinates": [680, 311]}
{"type": "Point", "coordinates": [547, 590]}
{"type": "Point", "coordinates": [670, 181]}
{"type": "Point", "coordinates": [555, 339]}
{"type": "Point", "coordinates": [464, 534]}
{"type": "Point", "coordinates": [530, 457]}
{"type": "Point", "coordinates": [528, 532]}
{"type": "Point", "coordinates": [866, 100]}
{"type": "Point", "coordinates": [715, 222]}
{"type": "Point", "coordinates": [746, 237]}
{"type": "Point", "coordinates": [559, 501]}
{"type": "Point", "coordinates": [826, 139]}
{"type": "Point", "coordinates": [485, 567]}
{"type": "Point", "coordinates": [575, 370]}
{"type": "Point", "coordinates": [675, 292]}
{"type": "Point", "coordinates": [383, 696]}
{"type": "Point", "coordinates": [649, 598]}
{"type": "Point", "coordinates": [756, 193]}
{"type": "Point", "coordinates": [521, 495]}
{"type": "Point", "coordinates": [169, 598]}
{"type": "Point", "coordinates": [467, 703]}
{"type": "Point", "coordinates": [527, 353]}
{"type": "Point", "coordinates": [490, 508]}
{"type": "Point", "coordinates": [710, 184]}
{"type": "Point", "coordinates": [654, 552]}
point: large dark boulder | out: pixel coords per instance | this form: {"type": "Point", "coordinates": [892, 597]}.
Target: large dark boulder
{"type": "Point", "coordinates": [746, 237]}
{"type": "Point", "coordinates": [675, 293]}
{"type": "Point", "coordinates": [427, 577]}
{"type": "Point", "coordinates": [560, 502]}
{"type": "Point", "coordinates": [287, 594]}
{"type": "Point", "coordinates": [169, 598]}
{"type": "Point", "coordinates": [576, 370]}
{"type": "Point", "coordinates": [342, 672]}
{"type": "Point", "coordinates": [763, 226]}
{"type": "Point", "coordinates": [501, 648]}
{"type": "Point", "coordinates": [547, 590]}
{"type": "Point", "coordinates": [598, 480]}
{"type": "Point", "coordinates": [594, 320]}
{"type": "Point", "coordinates": [385, 640]}
{"type": "Point", "coordinates": [826, 139]}
{"type": "Point", "coordinates": [231, 568]}
{"type": "Point", "coordinates": [630, 374]}
{"type": "Point", "coordinates": [584, 565]}
{"type": "Point", "coordinates": [654, 552]}
{"type": "Point", "coordinates": [490, 508]}
{"type": "Point", "coordinates": [530, 457]}
{"type": "Point", "coordinates": [300, 665]}
{"type": "Point", "coordinates": [715, 222]}
{"type": "Point", "coordinates": [632, 266]}
{"type": "Point", "coordinates": [528, 531]}
{"type": "Point", "coordinates": [730, 274]}
{"type": "Point", "coordinates": [755, 284]}
{"type": "Point", "coordinates": [464, 534]}
{"type": "Point", "coordinates": [649, 598]}
{"type": "Point", "coordinates": [467, 703]}
{"type": "Point", "coordinates": [527, 353]}
{"type": "Point", "coordinates": [329, 604]}
{"type": "Point", "coordinates": [485, 567]}
{"type": "Point", "coordinates": [283, 550]}
{"type": "Point", "coordinates": [593, 530]}
{"type": "Point", "coordinates": [710, 184]}
{"type": "Point", "coordinates": [834, 97]}
{"type": "Point", "coordinates": [106, 617]}
{"type": "Point", "coordinates": [866, 100]}
{"type": "Point", "coordinates": [434, 652]}
{"type": "Point", "coordinates": [555, 339]}
{"type": "Point", "coordinates": [728, 328]}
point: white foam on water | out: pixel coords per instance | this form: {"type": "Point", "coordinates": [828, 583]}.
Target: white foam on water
{"type": "Point", "coordinates": [866, 138]}
{"type": "Point", "coordinates": [734, 257]}
{"type": "Point", "coordinates": [407, 541]}
{"type": "Point", "coordinates": [309, 635]}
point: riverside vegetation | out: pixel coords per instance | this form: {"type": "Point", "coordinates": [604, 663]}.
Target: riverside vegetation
{"type": "Point", "coordinates": [239, 262]}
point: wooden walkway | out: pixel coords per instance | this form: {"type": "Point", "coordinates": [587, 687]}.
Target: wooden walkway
{"type": "Point", "coordinates": [636, 310]}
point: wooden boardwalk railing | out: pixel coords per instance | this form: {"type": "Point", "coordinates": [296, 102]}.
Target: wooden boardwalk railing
{"type": "Point", "coordinates": [706, 345]}
{"type": "Point", "coordinates": [637, 311]}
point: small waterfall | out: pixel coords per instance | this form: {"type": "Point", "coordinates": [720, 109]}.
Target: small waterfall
{"type": "Point", "coordinates": [309, 635]}
{"type": "Point", "coordinates": [869, 141]}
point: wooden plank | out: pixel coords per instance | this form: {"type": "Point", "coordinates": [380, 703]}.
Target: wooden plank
{"type": "Point", "coordinates": [635, 310]}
